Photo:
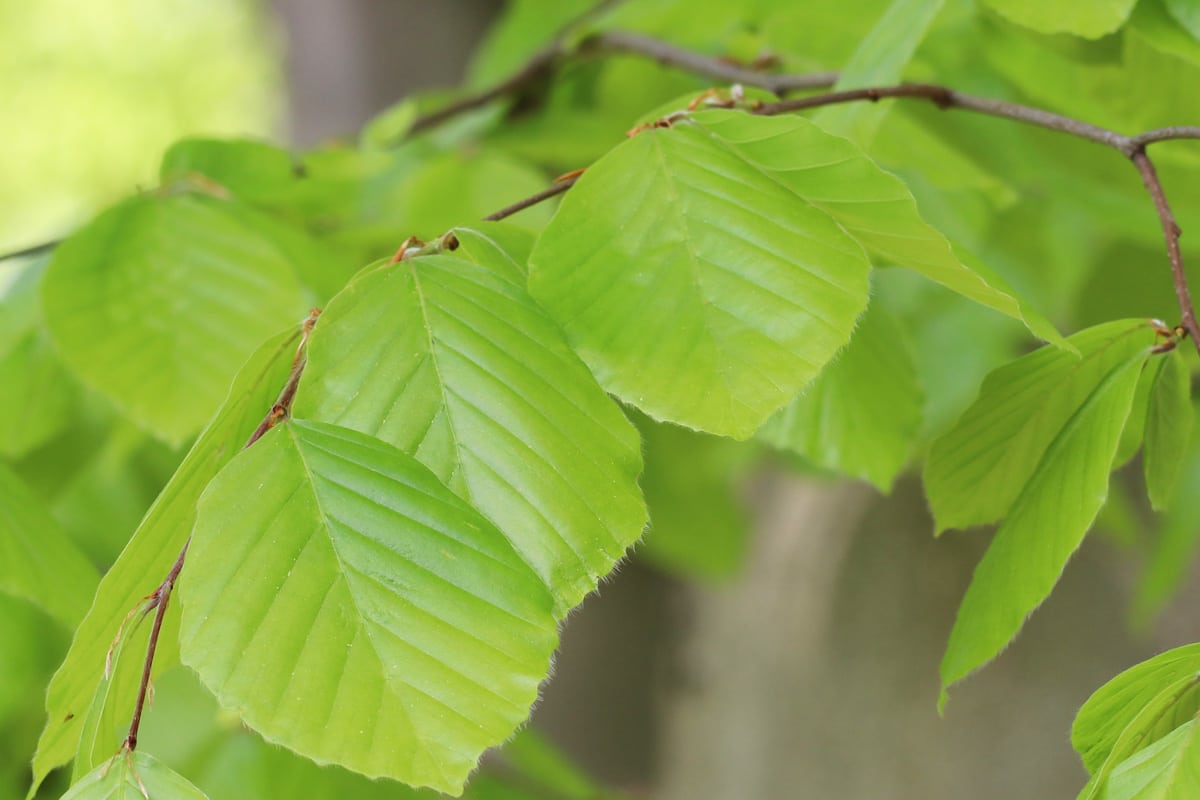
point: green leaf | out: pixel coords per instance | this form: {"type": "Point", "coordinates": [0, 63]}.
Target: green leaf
{"type": "Point", "coordinates": [1174, 548]}
{"type": "Point", "coordinates": [698, 525]}
{"type": "Point", "coordinates": [133, 776]}
{"type": "Point", "coordinates": [1168, 429]}
{"type": "Point", "coordinates": [38, 395]}
{"type": "Point", "coordinates": [350, 607]}
{"type": "Point", "coordinates": [879, 59]}
{"type": "Point", "coordinates": [498, 246]}
{"type": "Point", "coordinates": [1169, 769]}
{"type": "Point", "coordinates": [1187, 13]}
{"type": "Point", "coordinates": [107, 720]}
{"type": "Point", "coordinates": [861, 415]}
{"type": "Point", "coordinates": [1116, 705]}
{"type": "Point", "coordinates": [156, 300]}
{"type": "Point", "coordinates": [1055, 506]}
{"type": "Point", "coordinates": [256, 172]}
{"type": "Point", "coordinates": [697, 284]}
{"type": "Point", "coordinates": [37, 561]}
{"type": "Point", "coordinates": [1091, 19]}
{"type": "Point", "coordinates": [871, 204]}
{"type": "Point", "coordinates": [457, 366]}
{"type": "Point", "coordinates": [1156, 22]}
{"type": "Point", "coordinates": [1022, 407]}
{"type": "Point", "coordinates": [151, 552]}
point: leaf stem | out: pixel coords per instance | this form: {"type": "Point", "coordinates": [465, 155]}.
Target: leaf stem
{"type": "Point", "coordinates": [160, 597]}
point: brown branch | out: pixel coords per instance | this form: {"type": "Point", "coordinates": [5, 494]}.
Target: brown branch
{"type": "Point", "coordinates": [159, 600]}
{"type": "Point", "coordinates": [1171, 234]}
{"type": "Point", "coordinates": [31, 251]}
{"type": "Point", "coordinates": [555, 189]}
{"type": "Point", "coordinates": [672, 56]}
{"type": "Point", "coordinates": [160, 596]}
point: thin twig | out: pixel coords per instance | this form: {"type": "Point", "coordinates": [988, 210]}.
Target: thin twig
{"type": "Point", "coordinates": [698, 64]}
{"type": "Point", "coordinates": [31, 251]}
{"type": "Point", "coordinates": [554, 189]}
{"type": "Point", "coordinates": [540, 67]}
{"type": "Point", "coordinates": [1171, 234]}
{"type": "Point", "coordinates": [159, 598]}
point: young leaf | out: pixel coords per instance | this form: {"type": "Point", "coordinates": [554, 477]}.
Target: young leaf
{"type": "Point", "coordinates": [1056, 505]}
{"type": "Point", "coordinates": [1171, 707]}
{"type": "Point", "coordinates": [871, 204]}
{"type": "Point", "coordinates": [861, 415]}
{"type": "Point", "coordinates": [1113, 707]}
{"type": "Point", "coordinates": [1000, 440]}
{"type": "Point", "coordinates": [1168, 429]}
{"type": "Point", "coordinates": [498, 246]}
{"type": "Point", "coordinates": [1090, 20]}
{"type": "Point", "coordinates": [1174, 549]}
{"type": "Point", "coordinates": [879, 59]}
{"type": "Point", "coordinates": [133, 776]}
{"type": "Point", "coordinates": [457, 366]}
{"type": "Point", "coordinates": [37, 561]}
{"type": "Point", "coordinates": [1169, 769]}
{"type": "Point", "coordinates": [350, 607]}
{"type": "Point", "coordinates": [696, 284]}
{"type": "Point", "coordinates": [156, 300]}
{"type": "Point", "coordinates": [150, 553]}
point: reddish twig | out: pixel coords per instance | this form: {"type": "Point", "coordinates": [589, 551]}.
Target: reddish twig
{"type": "Point", "coordinates": [162, 595]}
{"type": "Point", "coordinates": [1171, 234]}
{"type": "Point", "coordinates": [556, 188]}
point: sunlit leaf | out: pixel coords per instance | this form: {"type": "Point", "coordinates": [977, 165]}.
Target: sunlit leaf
{"type": "Point", "coordinates": [1169, 769]}
{"type": "Point", "coordinates": [861, 415]}
{"type": "Point", "coordinates": [156, 301]}
{"type": "Point", "coordinates": [1022, 407]}
{"type": "Point", "coordinates": [693, 280]}
{"type": "Point", "coordinates": [1070, 456]}
{"type": "Point", "coordinates": [1114, 706]}
{"type": "Point", "coordinates": [149, 555]}
{"type": "Point", "coordinates": [133, 776]}
{"type": "Point", "coordinates": [1091, 19]}
{"type": "Point", "coordinates": [1168, 429]}
{"type": "Point", "coordinates": [349, 606]}
{"type": "Point", "coordinates": [468, 375]}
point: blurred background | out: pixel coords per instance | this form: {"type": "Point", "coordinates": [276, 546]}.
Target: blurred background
{"type": "Point", "coordinates": [799, 661]}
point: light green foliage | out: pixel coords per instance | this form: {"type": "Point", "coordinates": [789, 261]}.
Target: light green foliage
{"type": "Point", "coordinates": [134, 776]}
{"type": "Point", "coordinates": [149, 555]}
{"type": "Point", "coordinates": [352, 608]}
{"type": "Point", "coordinates": [1168, 429]}
{"type": "Point", "coordinates": [1134, 734]}
{"type": "Point", "coordinates": [470, 377]}
{"type": "Point", "coordinates": [37, 561]}
{"type": "Point", "coordinates": [872, 205]}
{"type": "Point", "coordinates": [1104, 718]}
{"type": "Point", "coordinates": [1060, 472]}
{"type": "Point", "coordinates": [156, 300]}
{"type": "Point", "coordinates": [684, 295]}
{"type": "Point", "coordinates": [1021, 409]}
{"type": "Point", "coordinates": [1169, 769]}
{"type": "Point", "coordinates": [1091, 19]}
{"type": "Point", "coordinates": [1187, 13]}
{"type": "Point", "coordinates": [879, 60]}
{"type": "Point", "coordinates": [861, 415]}
{"type": "Point", "coordinates": [1174, 547]}
{"type": "Point", "coordinates": [38, 394]}
{"type": "Point", "coordinates": [699, 526]}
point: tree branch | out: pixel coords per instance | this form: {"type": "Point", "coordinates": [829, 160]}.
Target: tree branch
{"type": "Point", "coordinates": [555, 189]}
{"type": "Point", "coordinates": [672, 56]}
{"type": "Point", "coordinates": [162, 595]}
